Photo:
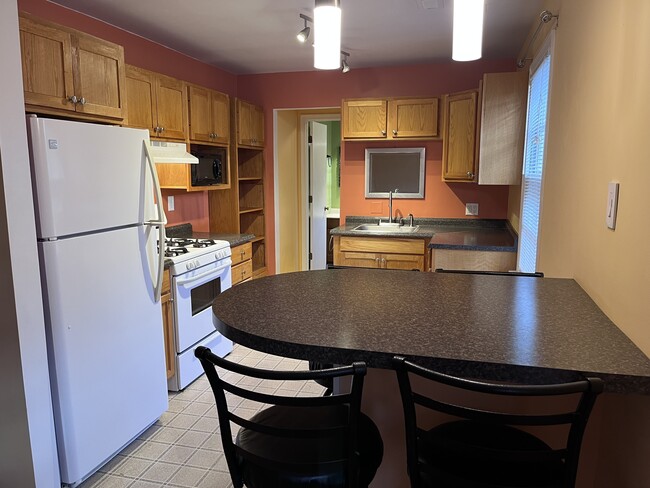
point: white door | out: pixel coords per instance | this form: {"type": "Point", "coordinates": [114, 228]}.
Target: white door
{"type": "Point", "coordinates": [318, 192]}
{"type": "Point", "coordinates": [88, 177]}
{"type": "Point", "coordinates": [105, 345]}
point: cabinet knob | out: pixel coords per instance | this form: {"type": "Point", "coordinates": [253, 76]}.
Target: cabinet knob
{"type": "Point", "coordinates": [162, 129]}
{"type": "Point", "coordinates": [383, 132]}
{"type": "Point", "coordinates": [470, 174]}
{"type": "Point", "coordinates": [73, 99]}
{"type": "Point", "coordinates": [394, 132]}
{"type": "Point", "coordinates": [242, 253]}
{"type": "Point", "coordinates": [82, 101]}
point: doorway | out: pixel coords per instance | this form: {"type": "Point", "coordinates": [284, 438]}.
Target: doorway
{"type": "Point", "coordinates": [321, 155]}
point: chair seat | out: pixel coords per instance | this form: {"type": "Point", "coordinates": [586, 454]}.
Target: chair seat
{"type": "Point", "coordinates": [471, 454]}
{"type": "Point", "coordinates": [299, 463]}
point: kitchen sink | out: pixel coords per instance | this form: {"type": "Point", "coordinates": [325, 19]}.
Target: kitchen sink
{"type": "Point", "coordinates": [386, 228]}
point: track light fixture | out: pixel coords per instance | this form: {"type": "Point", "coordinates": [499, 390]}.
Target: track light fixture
{"type": "Point", "coordinates": [345, 67]}
{"type": "Point", "coordinates": [303, 35]}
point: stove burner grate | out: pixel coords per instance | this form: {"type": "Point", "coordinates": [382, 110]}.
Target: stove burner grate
{"type": "Point", "coordinates": [204, 243]}
{"type": "Point", "coordinates": [171, 252]}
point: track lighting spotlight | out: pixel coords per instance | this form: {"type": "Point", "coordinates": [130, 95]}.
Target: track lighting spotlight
{"type": "Point", "coordinates": [303, 35]}
{"type": "Point", "coordinates": [345, 67]}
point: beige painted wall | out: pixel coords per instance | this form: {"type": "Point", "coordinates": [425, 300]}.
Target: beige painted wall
{"type": "Point", "coordinates": [288, 180]}
{"type": "Point", "coordinates": [598, 132]}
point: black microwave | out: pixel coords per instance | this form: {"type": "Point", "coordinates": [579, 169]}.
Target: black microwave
{"type": "Point", "coordinates": [212, 168]}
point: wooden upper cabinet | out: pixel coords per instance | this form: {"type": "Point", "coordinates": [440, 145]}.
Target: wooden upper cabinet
{"type": "Point", "coordinates": [209, 116]}
{"type": "Point", "coordinates": [364, 119]}
{"type": "Point", "coordinates": [250, 124]}
{"type": "Point", "coordinates": [66, 70]}
{"type": "Point", "coordinates": [391, 118]}
{"type": "Point", "coordinates": [413, 117]}
{"type": "Point", "coordinates": [459, 138]}
{"type": "Point", "coordinates": [502, 127]}
{"type": "Point", "coordinates": [156, 103]}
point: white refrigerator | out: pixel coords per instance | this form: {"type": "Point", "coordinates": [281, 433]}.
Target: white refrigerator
{"type": "Point", "coordinates": [98, 228]}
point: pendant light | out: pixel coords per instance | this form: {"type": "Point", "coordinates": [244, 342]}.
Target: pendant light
{"type": "Point", "coordinates": [468, 29]}
{"type": "Point", "coordinates": [327, 34]}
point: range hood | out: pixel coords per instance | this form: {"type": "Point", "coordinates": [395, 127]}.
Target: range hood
{"type": "Point", "coordinates": [170, 152]}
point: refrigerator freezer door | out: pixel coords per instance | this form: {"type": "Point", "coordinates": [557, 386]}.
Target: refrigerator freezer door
{"type": "Point", "coordinates": [87, 177]}
{"type": "Point", "coordinates": [105, 345]}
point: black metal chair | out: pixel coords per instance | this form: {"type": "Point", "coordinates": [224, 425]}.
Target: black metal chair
{"type": "Point", "coordinates": [315, 441]}
{"type": "Point", "coordinates": [483, 448]}
{"type": "Point", "coordinates": [537, 274]}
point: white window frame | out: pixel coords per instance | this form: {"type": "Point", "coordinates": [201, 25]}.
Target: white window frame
{"type": "Point", "coordinates": [547, 49]}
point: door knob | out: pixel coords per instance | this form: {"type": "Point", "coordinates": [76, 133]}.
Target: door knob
{"type": "Point", "coordinates": [326, 208]}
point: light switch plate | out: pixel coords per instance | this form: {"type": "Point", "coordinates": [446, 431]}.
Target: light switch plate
{"type": "Point", "coordinates": [170, 203]}
{"type": "Point", "coordinates": [471, 209]}
{"type": "Point", "coordinates": [612, 204]}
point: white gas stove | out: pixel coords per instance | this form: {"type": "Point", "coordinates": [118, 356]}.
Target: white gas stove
{"type": "Point", "coordinates": [200, 271]}
{"type": "Point", "coordinates": [187, 253]}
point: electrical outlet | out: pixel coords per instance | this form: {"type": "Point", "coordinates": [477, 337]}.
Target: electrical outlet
{"type": "Point", "coordinates": [170, 203]}
{"type": "Point", "coordinates": [612, 204]}
{"type": "Point", "coordinates": [471, 209]}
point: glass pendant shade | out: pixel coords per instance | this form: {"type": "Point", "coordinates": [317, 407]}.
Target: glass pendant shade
{"type": "Point", "coordinates": [468, 30]}
{"type": "Point", "coordinates": [327, 35]}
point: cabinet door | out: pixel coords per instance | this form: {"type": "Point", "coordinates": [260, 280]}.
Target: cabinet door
{"type": "Point", "coordinates": [364, 119]}
{"type": "Point", "coordinates": [99, 78]}
{"type": "Point", "coordinates": [220, 116]}
{"type": "Point", "coordinates": [402, 261]}
{"type": "Point", "coordinates": [200, 126]}
{"type": "Point", "coordinates": [171, 107]}
{"type": "Point", "coordinates": [141, 99]}
{"type": "Point", "coordinates": [459, 140]}
{"type": "Point", "coordinates": [413, 118]}
{"type": "Point", "coordinates": [242, 271]}
{"type": "Point", "coordinates": [503, 127]}
{"type": "Point", "coordinates": [257, 126]}
{"type": "Point", "coordinates": [244, 123]}
{"type": "Point", "coordinates": [47, 65]}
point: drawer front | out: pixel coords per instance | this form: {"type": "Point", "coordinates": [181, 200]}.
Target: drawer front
{"type": "Point", "coordinates": [241, 253]}
{"type": "Point", "coordinates": [382, 244]}
{"type": "Point", "coordinates": [242, 272]}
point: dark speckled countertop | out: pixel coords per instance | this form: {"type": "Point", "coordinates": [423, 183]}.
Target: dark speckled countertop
{"type": "Point", "coordinates": [460, 234]}
{"type": "Point", "coordinates": [505, 327]}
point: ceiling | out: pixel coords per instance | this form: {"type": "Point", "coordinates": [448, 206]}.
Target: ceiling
{"type": "Point", "coordinates": [259, 36]}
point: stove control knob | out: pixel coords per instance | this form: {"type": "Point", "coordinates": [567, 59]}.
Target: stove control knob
{"type": "Point", "coordinates": [189, 266]}
{"type": "Point", "coordinates": [197, 263]}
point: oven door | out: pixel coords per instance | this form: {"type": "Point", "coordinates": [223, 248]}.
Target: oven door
{"type": "Point", "coordinates": [193, 295]}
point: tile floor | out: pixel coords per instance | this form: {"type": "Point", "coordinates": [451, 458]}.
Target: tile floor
{"type": "Point", "coordinates": [183, 448]}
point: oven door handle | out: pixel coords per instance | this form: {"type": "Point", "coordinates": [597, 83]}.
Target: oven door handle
{"type": "Point", "coordinates": [181, 281]}
{"type": "Point", "coordinates": [159, 222]}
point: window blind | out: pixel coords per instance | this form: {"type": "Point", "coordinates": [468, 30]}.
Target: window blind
{"type": "Point", "coordinates": [533, 164]}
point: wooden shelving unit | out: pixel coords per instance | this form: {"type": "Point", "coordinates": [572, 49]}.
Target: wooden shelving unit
{"type": "Point", "coordinates": [241, 208]}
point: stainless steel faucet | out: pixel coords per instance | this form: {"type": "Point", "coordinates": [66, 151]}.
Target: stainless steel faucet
{"type": "Point", "coordinates": [410, 220]}
{"type": "Point", "coordinates": [390, 204]}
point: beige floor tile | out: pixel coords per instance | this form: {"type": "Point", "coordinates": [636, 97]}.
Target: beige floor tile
{"type": "Point", "coordinates": [177, 454]}
{"type": "Point", "coordinates": [188, 476]}
{"type": "Point", "coordinates": [216, 479]}
{"type": "Point", "coordinates": [151, 450]}
{"type": "Point", "coordinates": [160, 472]}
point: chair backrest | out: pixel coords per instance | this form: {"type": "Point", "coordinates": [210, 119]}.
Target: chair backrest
{"type": "Point", "coordinates": [346, 426]}
{"type": "Point", "coordinates": [576, 418]}
{"type": "Point", "coordinates": [538, 274]}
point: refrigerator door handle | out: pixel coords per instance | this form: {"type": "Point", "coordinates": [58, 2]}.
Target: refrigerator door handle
{"type": "Point", "coordinates": [160, 223]}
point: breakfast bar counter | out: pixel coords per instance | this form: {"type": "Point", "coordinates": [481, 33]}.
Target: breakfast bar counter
{"type": "Point", "coordinates": [503, 327]}
{"type": "Point", "coordinates": [509, 328]}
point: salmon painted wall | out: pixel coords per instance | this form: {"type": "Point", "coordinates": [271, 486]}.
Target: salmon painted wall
{"type": "Point", "coordinates": [311, 89]}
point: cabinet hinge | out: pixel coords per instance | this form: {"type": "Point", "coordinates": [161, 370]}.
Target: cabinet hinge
{"type": "Point", "coordinates": [310, 139]}
{"type": "Point", "coordinates": [311, 199]}
{"type": "Point", "coordinates": [310, 256]}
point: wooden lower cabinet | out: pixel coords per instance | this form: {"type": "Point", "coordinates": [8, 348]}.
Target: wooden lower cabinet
{"type": "Point", "coordinates": [242, 263]}
{"type": "Point", "coordinates": [473, 260]}
{"type": "Point", "coordinates": [168, 325]}
{"type": "Point", "coordinates": [380, 252]}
